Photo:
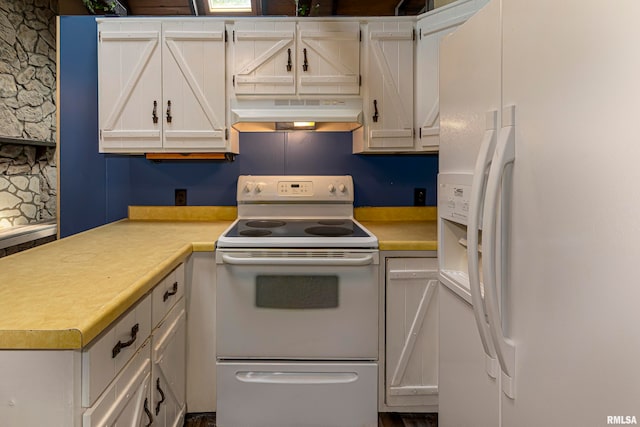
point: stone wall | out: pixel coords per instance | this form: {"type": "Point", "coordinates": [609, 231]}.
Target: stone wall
{"type": "Point", "coordinates": [28, 183]}
{"type": "Point", "coordinates": [28, 69]}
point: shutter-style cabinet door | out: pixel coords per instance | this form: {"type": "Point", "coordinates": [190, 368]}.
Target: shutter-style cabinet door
{"type": "Point", "coordinates": [411, 332]}
{"type": "Point", "coordinates": [130, 94]}
{"type": "Point", "coordinates": [431, 28]}
{"type": "Point", "coordinates": [328, 57]}
{"type": "Point", "coordinates": [389, 105]}
{"type": "Point", "coordinates": [264, 57]}
{"type": "Point", "coordinates": [193, 67]}
{"type": "Point", "coordinates": [169, 368]}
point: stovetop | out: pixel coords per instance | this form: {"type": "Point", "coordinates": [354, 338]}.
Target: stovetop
{"type": "Point", "coordinates": [309, 228]}
{"type": "Point", "coordinates": [297, 233]}
{"type": "Point", "coordinates": [296, 212]}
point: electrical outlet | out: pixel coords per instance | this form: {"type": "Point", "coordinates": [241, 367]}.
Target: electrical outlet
{"type": "Point", "coordinates": [181, 197]}
{"type": "Point", "coordinates": [419, 196]}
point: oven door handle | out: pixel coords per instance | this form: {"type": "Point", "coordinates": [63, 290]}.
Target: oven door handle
{"type": "Point", "coordinates": [305, 378]}
{"type": "Point", "coordinates": [356, 261]}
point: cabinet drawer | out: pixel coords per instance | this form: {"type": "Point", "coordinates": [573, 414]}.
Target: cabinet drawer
{"type": "Point", "coordinates": [167, 293]}
{"type": "Point", "coordinates": [297, 394]}
{"type": "Point", "coordinates": [126, 397]}
{"type": "Point", "coordinates": [104, 358]}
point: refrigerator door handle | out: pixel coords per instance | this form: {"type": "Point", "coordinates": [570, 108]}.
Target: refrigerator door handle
{"type": "Point", "coordinates": [478, 187]}
{"type": "Point", "coordinates": [503, 156]}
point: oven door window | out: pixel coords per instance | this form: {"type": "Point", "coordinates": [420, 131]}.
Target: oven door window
{"type": "Point", "coordinates": [297, 292]}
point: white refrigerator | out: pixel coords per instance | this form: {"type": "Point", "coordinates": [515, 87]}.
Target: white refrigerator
{"type": "Point", "coordinates": [539, 216]}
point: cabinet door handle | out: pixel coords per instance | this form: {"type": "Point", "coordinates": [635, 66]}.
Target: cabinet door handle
{"type": "Point", "coordinates": [120, 345]}
{"type": "Point", "coordinates": [155, 112]}
{"type": "Point", "coordinates": [161, 396]}
{"type": "Point", "coordinates": [148, 412]}
{"type": "Point", "coordinates": [375, 114]}
{"type": "Point", "coordinates": [169, 111]}
{"type": "Point", "coordinates": [305, 64]}
{"type": "Point", "coordinates": [173, 291]}
{"type": "Point", "coordinates": [289, 60]}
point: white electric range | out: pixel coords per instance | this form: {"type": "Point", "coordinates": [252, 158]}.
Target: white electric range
{"type": "Point", "coordinates": [297, 307]}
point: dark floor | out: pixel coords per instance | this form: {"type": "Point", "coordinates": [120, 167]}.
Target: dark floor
{"type": "Point", "coordinates": [387, 419]}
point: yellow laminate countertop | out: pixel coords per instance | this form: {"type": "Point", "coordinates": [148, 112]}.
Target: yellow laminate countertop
{"type": "Point", "coordinates": [63, 294]}
{"type": "Point", "coordinates": [401, 228]}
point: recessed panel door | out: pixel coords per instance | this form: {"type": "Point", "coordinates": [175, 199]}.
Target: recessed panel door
{"type": "Point", "coordinates": [328, 57]}
{"type": "Point", "coordinates": [193, 108]}
{"type": "Point", "coordinates": [389, 108]}
{"type": "Point", "coordinates": [264, 57]}
{"type": "Point", "coordinates": [130, 91]}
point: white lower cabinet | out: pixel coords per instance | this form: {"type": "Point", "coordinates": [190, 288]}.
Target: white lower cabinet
{"type": "Point", "coordinates": [201, 332]}
{"type": "Point", "coordinates": [169, 368]}
{"type": "Point", "coordinates": [115, 381]}
{"type": "Point", "coordinates": [410, 377]}
{"type": "Point", "coordinates": [127, 400]}
{"type": "Point", "coordinates": [150, 389]}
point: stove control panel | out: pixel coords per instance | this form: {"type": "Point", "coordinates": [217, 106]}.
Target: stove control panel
{"type": "Point", "coordinates": [260, 189]}
{"type": "Point", "coordinates": [295, 188]}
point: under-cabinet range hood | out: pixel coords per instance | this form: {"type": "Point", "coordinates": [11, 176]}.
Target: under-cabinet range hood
{"type": "Point", "coordinates": [265, 115]}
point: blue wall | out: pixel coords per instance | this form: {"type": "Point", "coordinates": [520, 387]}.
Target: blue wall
{"type": "Point", "coordinates": [97, 188]}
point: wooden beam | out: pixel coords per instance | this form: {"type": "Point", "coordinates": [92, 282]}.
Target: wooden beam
{"type": "Point", "coordinates": [189, 156]}
{"type": "Point", "coordinates": [361, 8]}
{"type": "Point", "coordinates": [160, 7]}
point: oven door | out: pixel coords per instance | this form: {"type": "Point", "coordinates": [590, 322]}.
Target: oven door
{"type": "Point", "coordinates": [297, 304]}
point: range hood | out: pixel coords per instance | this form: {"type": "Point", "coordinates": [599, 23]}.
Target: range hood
{"type": "Point", "coordinates": [328, 115]}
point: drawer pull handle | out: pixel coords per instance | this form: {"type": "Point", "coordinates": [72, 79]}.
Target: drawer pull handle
{"type": "Point", "coordinates": [288, 59]}
{"type": "Point", "coordinates": [148, 412]}
{"type": "Point", "coordinates": [173, 291]}
{"type": "Point", "coordinates": [120, 345]}
{"type": "Point", "coordinates": [161, 396]}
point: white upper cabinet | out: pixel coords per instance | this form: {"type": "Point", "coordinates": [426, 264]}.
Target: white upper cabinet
{"type": "Point", "coordinates": [264, 55]}
{"type": "Point", "coordinates": [285, 57]}
{"type": "Point", "coordinates": [162, 86]}
{"type": "Point", "coordinates": [329, 58]}
{"type": "Point", "coordinates": [431, 28]}
{"type": "Point", "coordinates": [130, 85]}
{"type": "Point", "coordinates": [193, 68]}
{"type": "Point", "coordinates": [388, 99]}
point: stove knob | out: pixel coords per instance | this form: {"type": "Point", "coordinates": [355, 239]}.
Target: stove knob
{"type": "Point", "coordinates": [259, 187]}
{"type": "Point", "coordinates": [248, 187]}
{"type": "Point", "coordinates": [342, 188]}
{"type": "Point", "coordinates": [332, 188]}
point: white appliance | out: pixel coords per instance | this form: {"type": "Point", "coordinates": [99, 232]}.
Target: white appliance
{"type": "Point", "coordinates": [297, 307]}
{"type": "Point", "coordinates": [340, 114]}
{"type": "Point", "coordinates": [538, 216]}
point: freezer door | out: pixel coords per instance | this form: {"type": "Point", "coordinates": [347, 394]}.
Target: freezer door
{"type": "Point", "coordinates": [470, 90]}
{"type": "Point", "coordinates": [468, 396]}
